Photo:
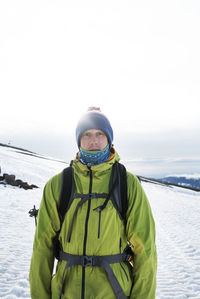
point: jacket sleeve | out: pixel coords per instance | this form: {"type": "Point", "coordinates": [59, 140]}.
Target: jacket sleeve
{"type": "Point", "coordinates": [42, 260]}
{"type": "Point", "coordinates": [141, 234]}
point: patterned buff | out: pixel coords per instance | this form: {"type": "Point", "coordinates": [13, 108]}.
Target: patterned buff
{"type": "Point", "coordinates": [91, 158]}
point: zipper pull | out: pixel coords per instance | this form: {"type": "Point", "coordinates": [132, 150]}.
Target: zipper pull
{"type": "Point", "coordinates": [98, 209]}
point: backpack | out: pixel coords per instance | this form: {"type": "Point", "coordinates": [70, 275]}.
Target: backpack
{"type": "Point", "coordinates": [118, 195]}
{"type": "Point", "coordinates": [117, 191]}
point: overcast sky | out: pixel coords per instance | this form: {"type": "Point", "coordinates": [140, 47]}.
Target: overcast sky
{"type": "Point", "coordinates": [138, 60]}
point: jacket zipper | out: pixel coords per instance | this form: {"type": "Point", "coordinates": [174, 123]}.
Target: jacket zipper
{"type": "Point", "coordinates": [98, 209]}
{"type": "Point", "coordinates": [99, 225]}
{"type": "Point", "coordinates": [86, 232]}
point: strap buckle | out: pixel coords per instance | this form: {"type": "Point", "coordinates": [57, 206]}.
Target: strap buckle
{"type": "Point", "coordinates": [87, 261]}
{"type": "Point", "coordinates": [129, 257]}
{"type": "Point", "coordinates": [130, 260]}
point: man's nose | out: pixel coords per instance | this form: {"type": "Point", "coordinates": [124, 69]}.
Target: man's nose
{"type": "Point", "coordinates": [94, 139]}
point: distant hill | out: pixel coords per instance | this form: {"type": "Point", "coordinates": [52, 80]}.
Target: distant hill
{"type": "Point", "coordinates": [15, 147]}
{"type": "Point", "coordinates": [184, 180]}
{"type": "Point", "coordinates": [30, 153]}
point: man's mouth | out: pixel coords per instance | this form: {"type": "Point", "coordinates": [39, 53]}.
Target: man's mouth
{"type": "Point", "coordinates": [94, 149]}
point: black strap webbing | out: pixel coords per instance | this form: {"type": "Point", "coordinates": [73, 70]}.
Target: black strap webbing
{"type": "Point", "coordinates": [120, 202]}
{"type": "Point", "coordinates": [90, 195]}
{"type": "Point", "coordinates": [119, 195]}
{"type": "Point", "coordinates": [84, 198]}
{"type": "Point", "coordinates": [98, 261]}
{"type": "Point", "coordinates": [65, 193]}
{"type": "Point", "coordinates": [102, 207]}
{"type": "Point", "coordinates": [74, 215]}
{"type": "Point", "coordinates": [123, 190]}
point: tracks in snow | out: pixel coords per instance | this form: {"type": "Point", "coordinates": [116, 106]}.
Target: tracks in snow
{"type": "Point", "coordinates": [178, 242]}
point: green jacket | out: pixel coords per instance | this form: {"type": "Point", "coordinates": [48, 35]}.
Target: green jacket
{"type": "Point", "coordinates": [138, 282]}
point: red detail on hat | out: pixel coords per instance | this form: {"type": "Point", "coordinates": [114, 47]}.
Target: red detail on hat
{"type": "Point", "coordinates": [94, 109]}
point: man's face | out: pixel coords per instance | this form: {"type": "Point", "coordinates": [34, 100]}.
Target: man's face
{"type": "Point", "coordinates": [93, 140]}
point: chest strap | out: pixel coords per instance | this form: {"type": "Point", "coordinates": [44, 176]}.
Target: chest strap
{"type": "Point", "coordinates": [103, 261]}
{"type": "Point", "coordinates": [84, 198]}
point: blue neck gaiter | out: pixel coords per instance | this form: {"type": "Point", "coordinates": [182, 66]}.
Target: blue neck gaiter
{"type": "Point", "coordinates": [91, 158]}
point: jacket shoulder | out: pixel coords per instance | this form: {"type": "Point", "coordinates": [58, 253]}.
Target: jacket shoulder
{"type": "Point", "coordinates": [55, 179]}
{"type": "Point", "coordinates": [132, 179]}
{"type": "Point", "coordinates": [135, 190]}
{"type": "Point", "coordinates": [53, 185]}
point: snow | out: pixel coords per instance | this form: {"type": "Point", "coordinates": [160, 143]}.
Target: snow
{"type": "Point", "coordinates": [176, 212]}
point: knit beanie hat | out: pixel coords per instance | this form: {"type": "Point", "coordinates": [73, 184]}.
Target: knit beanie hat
{"type": "Point", "coordinates": [94, 119]}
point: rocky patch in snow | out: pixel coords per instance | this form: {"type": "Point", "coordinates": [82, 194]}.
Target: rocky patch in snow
{"type": "Point", "coordinates": [9, 179]}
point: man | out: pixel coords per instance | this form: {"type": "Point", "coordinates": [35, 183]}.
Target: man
{"type": "Point", "coordinates": [92, 232]}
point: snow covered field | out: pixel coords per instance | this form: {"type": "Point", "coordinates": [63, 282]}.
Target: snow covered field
{"type": "Point", "coordinates": [176, 212]}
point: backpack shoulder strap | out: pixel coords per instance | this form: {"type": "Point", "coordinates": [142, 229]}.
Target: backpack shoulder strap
{"type": "Point", "coordinates": [123, 190]}
{"type": "Point", "coordinates": [64, 202]}
{"type": "Point", "coordinates": [66, 193]}
{"type": "Point", "coordinates": [119, 194]}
